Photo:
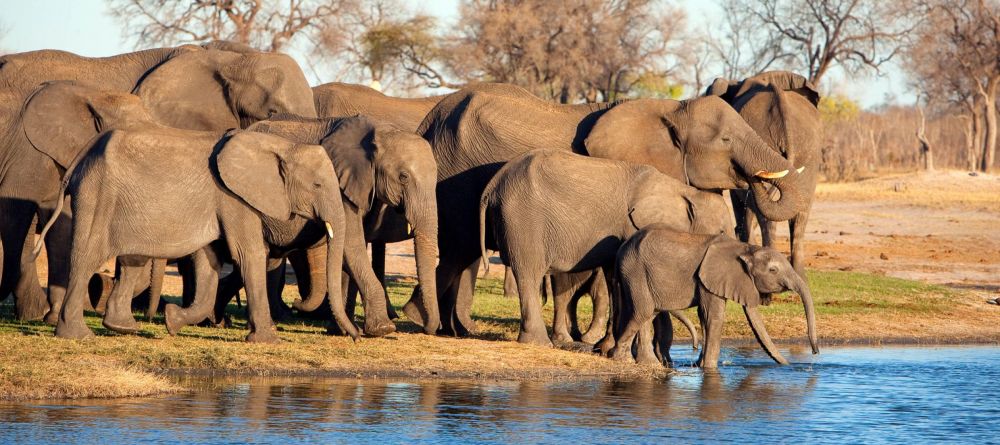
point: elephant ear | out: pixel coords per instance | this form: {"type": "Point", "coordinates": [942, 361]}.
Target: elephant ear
{"type": "Point", "coordinates": [184, 92]}
{"type": "Point", "coordinates": [725, 271]}
{"type": "Point", "coordinates": [723, 88]}
{"type": "Point", "coordinates": [251, 165]}
{"type": "Point", "coordinates": [653, 202]}
{"type": "Point", "coordinates": [643, 131]}
{"type": "Point", "coordinates": [351, 144]}
{"type": "Point", "coordinates": [785, 81]}
{"type": "Point", "coordinates": [59, 121]}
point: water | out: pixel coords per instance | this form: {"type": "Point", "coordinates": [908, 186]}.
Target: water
{"type": "Point", "coordinates": [890, 394]}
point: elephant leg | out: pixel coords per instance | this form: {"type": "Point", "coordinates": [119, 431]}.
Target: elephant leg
{"type": "Point", "coordinates": [275, 285]}
{"type": "Point", "coordinates": [466, 290]}
{"type": "Point", "coordinates": [646, 352]}
{"type": "Point", "coordinates": [252, 264]}
{"type": "Point", "coordinates": [205, 266]}
{"type": "Point", "coordinates": [509, 285]}
{"type": "Point", "coordinates": [228, 288]}
{"type": "Point", "coordinates": [378, 266]}
{"type": "Point", "coordinates": [446, 275]}
{"type": "Point", "coordinates": [606, 343]}
{"type": "Point", "coordinates": [744, 213]}
{"type": "Point", "coordinates": [28, 291]}
{"type": "Point", "coordinates": [572, 312]}
{"type": "Point", "coordinates": [118, 316]}
{"type": "Point", "coordinates": [663, 338]}
{"type": "Point", "coordinates": [57, 247]}
{"type": "Point", "coordinates": [185, 268]}
{"type": "Point", "coordinates": [88, 254]}
{"type": "Point", "coordinates": [377, 322]}
{"type": "Point", "coordinates": [16, 232]}
{"type": "Point", "coordinates": [797, 237]}
{"type": "Point", "coordinates": [712, 314]}
{"type": "Point", "coordinates": [529, 282]}
{"type": "Point", "coordinates": [602, 302]}
{"type": "Point", "coordinates": [564, 291]}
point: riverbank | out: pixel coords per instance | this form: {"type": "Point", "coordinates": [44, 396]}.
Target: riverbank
{"type": "Point", "coordinates": [851, 308]}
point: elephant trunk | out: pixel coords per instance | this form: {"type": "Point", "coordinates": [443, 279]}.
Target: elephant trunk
{"type": "Point", "coordinates": [315, 295]}
{"type": "Point", "coordinates": [759, 163]}
{"type": "Point", "coordinates": [760, 331]}
{"type": "Point", "coordinates": [800, 287]}
{"type": "Point", "coordinates": [334, 265]}
{"type": "Point", "coordinates": [425, 246]}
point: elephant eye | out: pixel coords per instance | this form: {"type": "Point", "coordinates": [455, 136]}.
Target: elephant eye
{"type": "Point", "coordinates": [404, 177]}
{"type": "Point", "coordinates": [772, 269]}
{"type": "Point", "coordinates": [317, 185]}
{"type": "Point", "coordinates": [725, 139]}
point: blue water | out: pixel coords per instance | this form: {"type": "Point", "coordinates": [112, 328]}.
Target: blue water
{"type": "Point", "coordinates": [858, 394]}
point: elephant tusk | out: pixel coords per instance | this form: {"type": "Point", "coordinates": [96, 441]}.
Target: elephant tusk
{"type": "Point", "coordinates": [329, 230]}
{"type": "Point", "coordinates": [801, 169]}
{"type": "Point", "coordinates": [771, 175]}
{"type": "Point", "coordinates": [409, 229]}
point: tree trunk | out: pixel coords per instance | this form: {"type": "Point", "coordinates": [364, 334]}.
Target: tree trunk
{"type": "Point", "coordinates": [990, 113]}
{"type": "Point", "coordinates": [925, 145]}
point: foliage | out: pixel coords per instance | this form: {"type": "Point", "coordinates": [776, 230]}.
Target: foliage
{"type": "Point", "coordinates": [835, 107]}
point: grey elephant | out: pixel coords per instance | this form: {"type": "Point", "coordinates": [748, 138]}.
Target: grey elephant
{"type": "Point", "coordinates": [702, 142]}
{"type": "Point", "coordinates": [178, 191]}
{"type": "Point", "coordinates": [188, 87]}
{"type": "Point", "coordinates": [662, 269]}
{"type": "Point", "coordinates": [381, 168]}
{"type": "Point", "coordinates": [782, 108]}
{"type": "Point", "coordinates": [552, 211]}
{"type": "Point", "coordinates": [382, 224]}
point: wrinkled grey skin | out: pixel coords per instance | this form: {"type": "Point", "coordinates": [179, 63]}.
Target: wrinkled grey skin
{"type": "Point", "coordinates": [702, 142]}
{"type": "Point", "coordinates": [189, 87]}
{"type": "Point", "coordinates": [381, 169]}
{"type": "Point", "coordinates": [178, 191]}
{"type": "Point", "coordinates": [551, 211]}
{"type": "Point", "coordinates": [382, 225]}
{"type": "Point", "coordinates": [781, 107]}
{"type": "Point", "coordinates": [660, 269]}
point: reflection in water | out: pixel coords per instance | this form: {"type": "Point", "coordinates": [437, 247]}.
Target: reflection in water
{"type": "Point", "coordinates": [891, 394]}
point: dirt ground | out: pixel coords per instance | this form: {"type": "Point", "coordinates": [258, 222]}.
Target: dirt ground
{"type": "Point", "coordinates": [941, 228]}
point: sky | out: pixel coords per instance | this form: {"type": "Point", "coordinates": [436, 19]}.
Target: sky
{"type": "Point", "coordinates": [86, 27]}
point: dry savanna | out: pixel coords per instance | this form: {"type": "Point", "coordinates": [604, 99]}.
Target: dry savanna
{"type": "Point", "coordinates": [895, 259]}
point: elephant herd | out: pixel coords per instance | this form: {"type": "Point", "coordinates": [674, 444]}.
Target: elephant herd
{"type": "Point", "coordinates": [218, 153]}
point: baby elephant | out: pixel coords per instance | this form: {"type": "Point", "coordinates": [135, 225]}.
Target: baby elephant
{"type": "Point", "coordinates": [661, 269]}
{"type": "Point", "coordinates": [552, 211]}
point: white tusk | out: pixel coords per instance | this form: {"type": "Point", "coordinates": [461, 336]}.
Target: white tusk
{"type": "Point", "coordinates": [329, 230]}
{"type": "Point", "coordinates": [409, 229]}
{"type": "Point", "coordinates": [801, 169]}
{"type": "Point", "coordinates": [771, 175]}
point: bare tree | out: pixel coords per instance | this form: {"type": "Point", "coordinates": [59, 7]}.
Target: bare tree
{"type": "Point", "coordinates": [742, 47]}
{"type": "Point", "coordinates": [819, 34]}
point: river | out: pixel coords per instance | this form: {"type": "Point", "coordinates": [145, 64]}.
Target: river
{"type": "Point", "coordinates": [845, 394]}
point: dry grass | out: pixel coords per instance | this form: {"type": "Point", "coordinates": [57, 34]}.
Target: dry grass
{"type": "Point", "coordinates": [941, 189]}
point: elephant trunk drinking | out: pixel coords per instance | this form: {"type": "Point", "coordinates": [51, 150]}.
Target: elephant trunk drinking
{"type": "Point", "coordinates": [800, 287]}
{"type": "Point", "coordinates": [760, 331]}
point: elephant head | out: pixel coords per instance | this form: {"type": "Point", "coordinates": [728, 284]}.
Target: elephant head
{"type": "Point", "coordinates": [59, 118]}
{"type": "Point", "coordinates": [378, 161]}
{"type": "Point", "coordinates": [280, 178]}
{"type": "Point", "coordinates": [211, 90]}
{"type": "Point", "coordinates": [742, 272]}
{"type": "Point", "coordinates": [703, 142]}
{"type": "Point", "coordinates": [687, 208]}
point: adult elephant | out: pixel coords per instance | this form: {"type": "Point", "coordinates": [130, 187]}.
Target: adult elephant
{"type": "Point", "coordinates": [782, 108]}
{"type": "Point", "coordinates": [189, 87]}
{"type": "Point", "coordinates": [379, 167]}
{"type": "Point", "coordinates": [381, 225]}
{"type": "Point", "coordinates": [702, 142]}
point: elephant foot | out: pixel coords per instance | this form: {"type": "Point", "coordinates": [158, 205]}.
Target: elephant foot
{"type": "Point", "coordinates": [605, 346]}
{"type": "Point", "coordinates": [412, 311]}
{"type": "Point", "coordinates": [591, 337]}
{"type": "Point", "coordinates": [575, 346]}
{"type": "Point", "coordinates": [174, 318]}
{"type": "Point", "coordinates": [379, 329]}
{"type": "Point", "coordinates": [121, 325]}
{"type": "Point", "coordinates": [534, 338]}
{"type": "Point", "coordinates": [74, 331]}
{"type": "Point", "coordinates": [31, 308]}
{"type": "Point", "coordinates": [620, 354]}
{"type": "Point", "coordinates": [561, 338]}
{"type": "Point", "coordinates": [52, 317]}
{"type": "Point", "coordinates": [648, 360]}
{"type": "Point", "coordinates": [263, 336]}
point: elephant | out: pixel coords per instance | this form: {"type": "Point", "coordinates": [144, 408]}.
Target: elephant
{"type": "Point", "coordinates": [178, 191]}
{"type": "Point", "coordinates": [380, 167]}
{"type": "Point", "coordinates": [189, 87]}
{"type": "Point", "coordinates": [340, 100]}
{"type": "Point", "coordinates": [553, 211]}
{"type": "Point", "coordinates": [702, 142]}
{"type": "Point", "coordinates": [661, 269]}
{"type": "Point", "coordinates": [782, 108]}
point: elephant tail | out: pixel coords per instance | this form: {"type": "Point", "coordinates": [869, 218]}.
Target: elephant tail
{"type": "Point", "coordinates": [63, 186]}
{"type": "Point", "coordinates": [484, 202]}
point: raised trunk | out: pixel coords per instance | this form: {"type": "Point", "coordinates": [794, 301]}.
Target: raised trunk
{"type": "Point", "coordinates": [800, 287]}
{"type": "Point", "coordinates": [759, 163]}
{"type": "Point", "coordinates": [760, 331]}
